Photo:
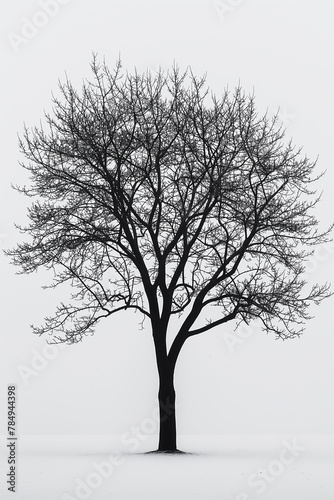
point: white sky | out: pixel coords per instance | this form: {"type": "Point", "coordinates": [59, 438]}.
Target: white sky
{"type": "Point", "coordinates": [283, 50]}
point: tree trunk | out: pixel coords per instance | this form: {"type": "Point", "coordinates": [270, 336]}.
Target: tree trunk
{"type": "Point", "coordinates": [166, 395]}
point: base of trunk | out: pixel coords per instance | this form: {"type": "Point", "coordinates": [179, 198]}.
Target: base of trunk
{"type": "Point", "coordinates": [167, 434]}
{"type": "Point", "coordinates": [176, 452]}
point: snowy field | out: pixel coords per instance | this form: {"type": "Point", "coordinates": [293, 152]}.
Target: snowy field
{"type": "Point", "coordinates": [214, 468]}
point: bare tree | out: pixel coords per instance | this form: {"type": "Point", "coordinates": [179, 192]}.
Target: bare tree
{"type": "Point", "coordinates": [152, 194]}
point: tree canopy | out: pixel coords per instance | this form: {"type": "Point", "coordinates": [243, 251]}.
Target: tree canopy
{"type": "Point", "coordinates": [151, 193]}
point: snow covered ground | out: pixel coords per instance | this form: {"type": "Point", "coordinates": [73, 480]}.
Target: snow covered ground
{"type": "Point", "coordinates": [242, 467]}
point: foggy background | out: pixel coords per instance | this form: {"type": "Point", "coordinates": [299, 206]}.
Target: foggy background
{"type": "Point", "coordinates": [282, 51]}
